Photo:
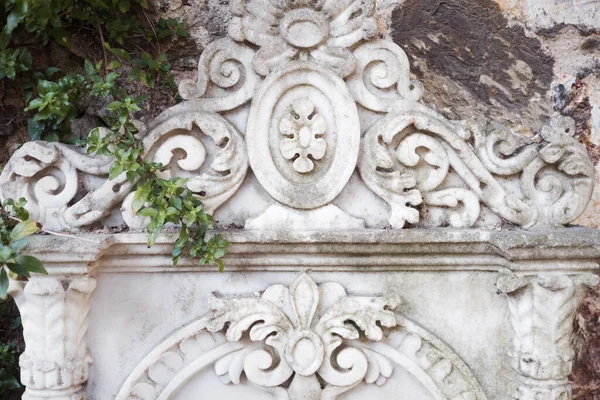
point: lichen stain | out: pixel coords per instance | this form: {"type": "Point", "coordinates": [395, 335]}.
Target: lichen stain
{"type": "Point", "coordinates": [471, 42]}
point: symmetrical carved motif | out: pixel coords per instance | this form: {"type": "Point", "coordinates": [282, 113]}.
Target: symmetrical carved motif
{"type": "Point", "coordinates": [323, 30]}
{"type": "Point", "coordinates": [296, 85]}
{"type": "Point", "coordinates": [54, 313]}
{"type": "Point", "coordinates": [303, 128]}
{"type": "Point", "coordinates": [305, 65]}
{"type": "Point", "coordinates": [282, 340]}
{"type": "Point", "coordinates": [542, 309]}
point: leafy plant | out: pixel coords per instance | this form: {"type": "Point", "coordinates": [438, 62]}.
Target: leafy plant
{"type": "Point", "coordinates": [13, 237]}
{"type": "Point", "coordinates": [128, 42]}
{"type": "Point", "coordinates": [164, 201]}
{"type": "Point", "coordinates": [9, 363]}
{"type": "Point", "coordinates": [14, 61]}
{"type": "Point", "coordinates": [147, 70]}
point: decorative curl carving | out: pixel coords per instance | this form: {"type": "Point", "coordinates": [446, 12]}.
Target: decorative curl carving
{"type": "Point", "coordinates": [323, 30]}
{"type": "Point", "coordinates": [226, 79]}
{"type": "Point", "coordinates": [556, 173]}
{"type": "Point", "coordinates": [48, 176]}
{"type": "Point", "coordinates": [229, 164]}
{"type": "Point", "coordinates": [381, 81]}
{"type": "Point", "coordinates": [54, 177]}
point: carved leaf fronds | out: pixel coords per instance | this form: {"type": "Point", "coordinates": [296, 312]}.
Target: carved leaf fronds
{"type": "Point", "coordinates": [542, 311]}
{"type": "Point", "coordinates": [371, 358]}
{"type": "Point", "coordinates": [368, 314]}
{"type": "Point", "coordinates": [460, 207]}
{"type": "Point", "coordinates": [226, 78]}
{"type": "Point", "coordinates": [262, 319]}
{"type": "Point", "coordinates": [230, 163]}
{"type": "Point", "coordinates": [330, 29]}
{"type": "Point", "coordinates": [503, 152]}
{"type": "Point", "coordinates": [54, 321]}
{"type": "Point", "coordinates": [566, 189]}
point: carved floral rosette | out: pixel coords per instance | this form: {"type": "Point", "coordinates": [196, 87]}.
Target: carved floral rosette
{"type": "Point", "coordinates": [307, 341]}
{"type": "Point", "coordinates": [318, 95]}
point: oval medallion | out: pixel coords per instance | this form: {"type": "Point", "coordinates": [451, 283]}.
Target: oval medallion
{"type": "Point", "coordinates": [303, 135]}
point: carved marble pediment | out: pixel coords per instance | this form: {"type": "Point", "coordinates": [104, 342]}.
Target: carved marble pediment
{"type": "Point", "coordinates": [305, 93]}
{"type": "Point", "coordinates": [302, 122]}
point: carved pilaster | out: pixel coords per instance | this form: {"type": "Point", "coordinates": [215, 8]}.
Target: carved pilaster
{"type": "Point", "coordinates": [54, 313]}
{"type": "Point", "coordinates": [542, 308]}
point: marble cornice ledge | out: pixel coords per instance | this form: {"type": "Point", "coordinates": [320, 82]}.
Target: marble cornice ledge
{"type": "Point", "coordinates": [568, 249]}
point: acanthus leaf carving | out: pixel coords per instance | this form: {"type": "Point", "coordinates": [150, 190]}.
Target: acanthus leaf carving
{"type": "Point", "coordinates": [558, 175]}
{"type": "Point", "coordinates": [288, 30]}
{"type": "Point", "coordinates": [54, 313]}
{"type": "Point", "coordinates": [542, 309]}
{"type": "Point", "coordinates": [47, 176]}
{"type": "Point", "coordinates": [381, 81]}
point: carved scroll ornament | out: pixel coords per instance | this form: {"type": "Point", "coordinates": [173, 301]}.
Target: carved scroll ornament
{"type": "Point", "coordinates": [282, 340]}
{"type": "Point", "coordinates": [318, 95]}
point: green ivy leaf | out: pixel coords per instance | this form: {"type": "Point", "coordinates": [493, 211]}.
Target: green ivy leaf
{"type": "Point", "coordinates": [32, 264]}
{"type": "Point", "coordinates": [23, 229]}
{"type": "Point", "coordinates": [18, 245]}
{"type": "Point", "coordinates": [148, 212]}
{"type": "Point", "coordinates": [18, 269]}
{"type": "Point", "coordinates": [89, 67]}
{"type": "Point", "coordinates": [5, 253]}
{"type": "Point", "coordinates": [3, 283]}
{"type": "Point", "coordinates": [118, 52]}
{"type": "Point", "coordinates": [12, 21]}
{"type": "Point", "coordinates": [140, 196]}
{"type": "Point", "coordinates": [124, 6]}
{"type": "Point", "coordinates": [113, 65]}
{"type": "Point", "coordinates": [60, 36]}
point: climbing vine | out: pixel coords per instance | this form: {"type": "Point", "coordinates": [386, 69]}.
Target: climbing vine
{"type": "Point", "coordinates": [130, 40]}
{"type": "Point", "coordinates": [128, 68]}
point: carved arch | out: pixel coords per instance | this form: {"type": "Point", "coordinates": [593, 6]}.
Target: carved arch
{"type": "Point", "coordinates": [344, 354]}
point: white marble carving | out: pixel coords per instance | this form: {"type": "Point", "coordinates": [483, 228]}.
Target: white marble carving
{"type": "Point", "coordinates": [542, 309]}
{"type": "Point", "coordinates": [54, 312]}
{"type": "Point", "coordinates": [299, 333]}
{"type": "Point", "coordinates": [303, 128]}
{"type": "Point", "coordinates": [330, 121]}
{"type": "Point", "coordinates": [287, 88]}
{"type": "Point", "coordinates": [304, 66]}
{"type": "Point", "coordinates": [322, 30]}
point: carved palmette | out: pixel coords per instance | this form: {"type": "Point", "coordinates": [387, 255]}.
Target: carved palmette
{"type": "Point", "coordinates": [305, 341]}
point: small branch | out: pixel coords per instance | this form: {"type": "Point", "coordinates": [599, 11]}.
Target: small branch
{"type": "Point", "coordinates": [101, 41]}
